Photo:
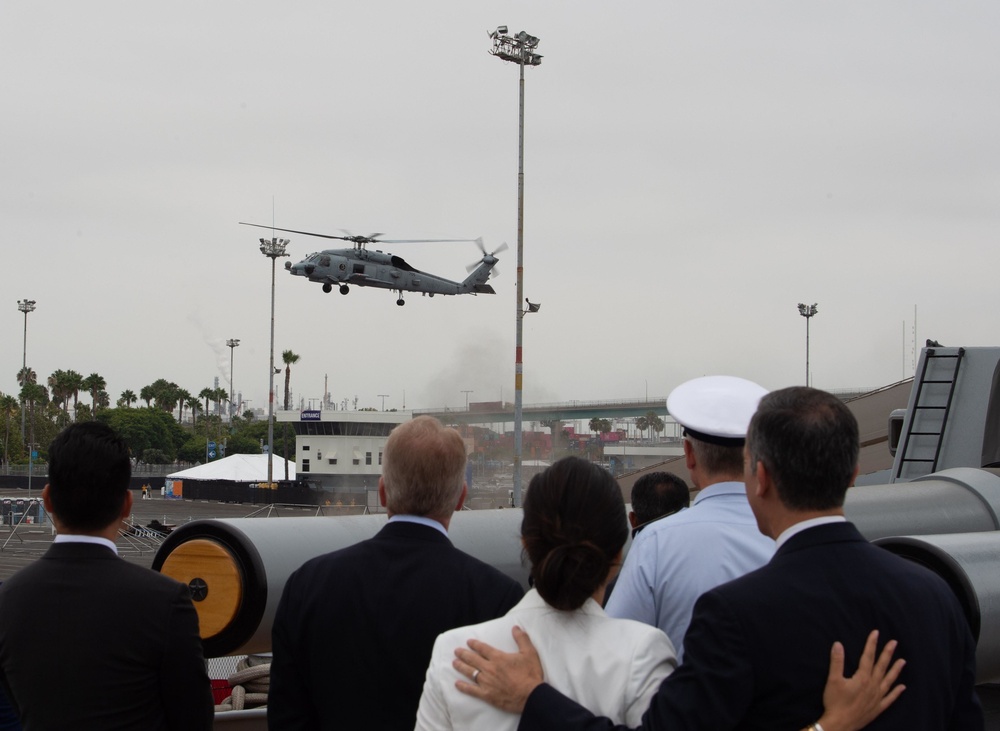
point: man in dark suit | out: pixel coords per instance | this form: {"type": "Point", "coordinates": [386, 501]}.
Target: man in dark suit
{"type": "Point", "coordinates": [757, 646]}
{"type": "Point", "coordinates": [88, 641]}
{"type": "Point", "coordinates": [354, 630]}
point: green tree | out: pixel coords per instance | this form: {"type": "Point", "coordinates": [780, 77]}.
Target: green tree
{"type": "Point", "coordinates": [208, 394]}
{"type": "Point", "coordinates": [8, 408]}
{"type": "Point", "coordinates": [194, 403]}
{"type": "Point", "coordinates": [288, 358]}
{"type": "Point", "coordinates": [193, 450]}
{"type": "Point", "coordinates": [74, 384]}
{"type": "Point", "coordinates": [220, 396]}
{"type": "Point", "coordinates": [58, 384]}
{"type": "Point", "coordinates": [146, 393]}
{"type": "Point", "coordinates": [34, 395]}
{"type": "Point", "coordinates": [242, 444]}
{"type": "Point", "coordinates": [654, 422]}
{"type": "Point", "coordinates": [642, 423]}
{"type": "Point", "coordinates": [183, 397]}
{"type": "Point", "coordinates": [127, 398]}
{"type": "Point", "coordinates": [95, 384]}
{"type": "Point", "coordinates": [144, 429]}
{"type": "Point", "coordinates": [600, 426]}
{"type": "Point", "coordinates": [165, 394]}
{"type": "Point", "coordinates": [26, 376]}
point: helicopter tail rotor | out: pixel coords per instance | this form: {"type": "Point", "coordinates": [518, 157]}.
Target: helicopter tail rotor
{"type": "Point", "coordinates": [489, 257]}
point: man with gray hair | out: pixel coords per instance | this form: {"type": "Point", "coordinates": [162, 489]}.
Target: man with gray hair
{"type": "Point", "coordinates": [353, 633]}
{"type": "Point", "coordinates": [674, 560]}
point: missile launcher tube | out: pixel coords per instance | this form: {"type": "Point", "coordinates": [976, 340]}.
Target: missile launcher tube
{"type": "Point", "coordinates": [237, 568]}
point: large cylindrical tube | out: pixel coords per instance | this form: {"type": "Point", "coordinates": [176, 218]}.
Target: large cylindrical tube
{"type": "Point", "coordinates": [960, 500]}
{"type": "Point", "coordinates": [237, 568]}
{"type": "Point", "coordinates": [968, 563]}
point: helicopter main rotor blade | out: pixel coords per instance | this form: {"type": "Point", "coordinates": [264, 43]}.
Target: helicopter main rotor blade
{"type": "Point", "coordinates": [293, 231]}
{"type": "Point", "coordinates": [425, 241]}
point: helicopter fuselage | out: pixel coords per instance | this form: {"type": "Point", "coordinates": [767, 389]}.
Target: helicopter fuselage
{"type": "Point", "coordinates": [364, 268]}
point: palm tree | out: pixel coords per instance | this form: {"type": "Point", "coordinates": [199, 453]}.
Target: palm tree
{"type": "Point", "coordinates": [288, 358]}
{"type": "Point", "coordinates": [26, 376]}
{"type": "Point", "coordinates": [8, 407]}
{"type": "Point", "coordinates": [58, 383]}
{"type": "Point", "coordinates": [73, 384]}
{"type": "Point", "coordinates": [33, 394]}
{"type": "Point", "coordinates": [194, 403]}
{"type": "Point", "coordinates": [95, 384]}
{"type": "Point", "coordinates": [208, 394]}
{"type": "Point", "coordinates": [654, 422]}
{"type": "Point", "coordinates": [127, 398]}
{"type": "Point", "coordinates": [183, 397]}
{"type": "Point", "coordinates": [146, 393]}
{"type": "Point", "coordinates": [219, 395]}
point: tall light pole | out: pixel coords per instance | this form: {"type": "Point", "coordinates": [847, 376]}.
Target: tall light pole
{"type": "Point", "coordinates": [232, 344]}
{"type": "Point", "coordinates": [467, 398]}
{"type": "Point", "coordinates": [383, 396]}
{"type": "Point", "coordinates": [272, 249]}
{"type": "Point", "coordinates": [519, 49]}
{"type": "Point", "coordinates": [807, 311]}
{"type": "Point", "coordinates": [25, 306]}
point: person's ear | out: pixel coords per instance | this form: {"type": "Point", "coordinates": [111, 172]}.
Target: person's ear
{"type": "Point", "coordinates": [689, 459]}
{"type": "Point", "coordinates": [764, 483]}
{"type": "Point", "coordinates": [461, 498]}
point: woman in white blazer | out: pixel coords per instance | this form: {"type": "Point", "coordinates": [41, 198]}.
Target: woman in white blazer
{"type": "Point", "coordinates": [573, 532]}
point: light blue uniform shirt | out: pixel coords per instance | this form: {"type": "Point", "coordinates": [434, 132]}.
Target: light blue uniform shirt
{"type": "Point", "coordinates": [675, 560]}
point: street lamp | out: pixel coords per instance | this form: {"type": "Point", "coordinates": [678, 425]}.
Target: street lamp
{"type": "Point", "coordinates": [467, 398]}
{"type": "Point", "coordinates": [807, 311]}
{"type": "Point", "coordinates": [25, 306]}
{"type": "Point", "coordinates": [519, 49]}
{"type": "Point", "coordinates": [232, 344]}
{"type": "Point", "coordinates": [272, 249]}
{"type": "Point", "coordinates": [383, 396]}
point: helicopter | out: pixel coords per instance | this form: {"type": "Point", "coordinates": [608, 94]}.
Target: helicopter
{"type": "Point", "coordinates": [364, 268]}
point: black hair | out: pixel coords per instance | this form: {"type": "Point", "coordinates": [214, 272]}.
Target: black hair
{"type": "Point", "coordinates": [808, 441]}
{"type": "Point", "coordinates": [657, 494]}
{"type": "Point", "coordinates": [574, 525]}
{"type": "Point", "coordinates": [89, 473]}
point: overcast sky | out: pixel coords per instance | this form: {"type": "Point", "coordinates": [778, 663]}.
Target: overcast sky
{"type": "Point", "coordinates": [692, 172]}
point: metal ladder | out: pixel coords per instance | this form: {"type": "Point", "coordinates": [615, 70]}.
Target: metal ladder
{"type": "Point", "coordinates": [931, 405]}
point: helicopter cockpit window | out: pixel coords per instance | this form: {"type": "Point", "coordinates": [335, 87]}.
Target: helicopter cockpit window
{"type": "Point", "coordinates": [324, 261]}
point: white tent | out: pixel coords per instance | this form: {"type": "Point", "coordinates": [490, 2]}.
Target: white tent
{"type": "Point", "coordinates": [238, 468]}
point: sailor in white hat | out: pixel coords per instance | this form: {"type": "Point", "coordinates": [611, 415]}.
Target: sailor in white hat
{"type": "Point", "coordinates": [675, 560]}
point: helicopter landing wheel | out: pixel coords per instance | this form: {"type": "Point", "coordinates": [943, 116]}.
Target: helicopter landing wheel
{"type": "Point", "coordinates": [400, 302]}
{"type": "Point", "coordinates": [344, 289]}
{"type": "Point", "coordinates": [327, 288]}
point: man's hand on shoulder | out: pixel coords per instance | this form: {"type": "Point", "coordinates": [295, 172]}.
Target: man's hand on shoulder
{"type": "Point", "coordinates": [502, 679]}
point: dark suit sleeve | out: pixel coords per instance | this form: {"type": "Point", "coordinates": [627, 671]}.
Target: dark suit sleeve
{"type": "Point", "coordinates": [968, 712]}
{"type": "Point", "coordinates": [289, 706]}
{"type": "Point", "coordinates": [710, 691]}
{"type": "Point", "coordinates": [184, 683]}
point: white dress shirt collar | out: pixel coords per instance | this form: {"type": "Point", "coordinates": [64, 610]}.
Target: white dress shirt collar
{"type": "Point", "coordinates": [73, 538]}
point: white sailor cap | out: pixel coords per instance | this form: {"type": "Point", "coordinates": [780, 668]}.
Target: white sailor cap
{"type": "Point", "coordinates": [715, 409]}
